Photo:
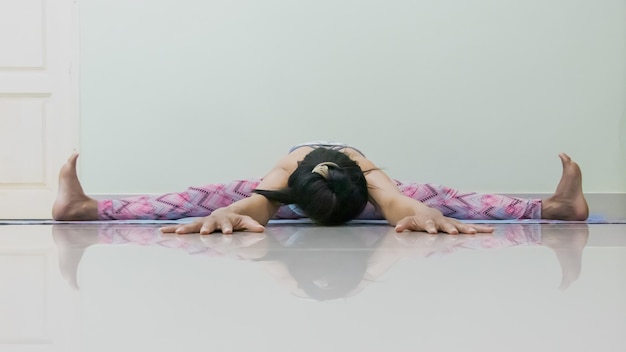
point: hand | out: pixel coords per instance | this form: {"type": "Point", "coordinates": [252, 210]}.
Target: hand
{"type": "Point", "coordinates": [221, 219]}
{"type": "Point", "coordinates": [433, 221]}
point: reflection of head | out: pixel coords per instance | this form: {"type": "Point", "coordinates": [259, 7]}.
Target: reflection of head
{"type": "Point", "coordinates": [332, 197]}
{"type": "Point", "coordinates": [325, 264]}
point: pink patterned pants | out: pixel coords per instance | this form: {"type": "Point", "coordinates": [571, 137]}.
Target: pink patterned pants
{"type": "Point", "coordinates": [202, 201]}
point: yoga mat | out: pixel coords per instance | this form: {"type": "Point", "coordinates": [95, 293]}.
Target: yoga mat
{"type": "Point", "coordinates": [592, 220]}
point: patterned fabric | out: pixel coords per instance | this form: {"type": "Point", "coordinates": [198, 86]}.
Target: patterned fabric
{"type": "Point", "coordinates": [195, 201]}
{"type": "Point", "coordinates": [472, 206]}
{"type": "Point", "coordinates": [202, 201]}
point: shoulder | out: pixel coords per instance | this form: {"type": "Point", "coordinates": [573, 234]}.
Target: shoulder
{"type": "Point", "coordinates": [356, 155]}
{"type": "Point", "coordinates": [290, 161]}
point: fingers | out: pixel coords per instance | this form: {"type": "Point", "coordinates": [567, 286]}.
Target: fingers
{"type": "Point", "coordinates": [454, 228]}
{"type": "Point", "coordinates": [169, 229]}
{"type": "Point", "coordinates": [251, 225]}
{"type": "Point", "coordinates": [241, 222]}
{"type": "Point", "coordinates": [443, 224]}
{"type": "Point", "coordinates": [430, 226]}
{"type": "Point", "coordinates": [207, 227]}
{"type": "Point", "coordinates": [413, 223]}
{"type": "Point", "coordinates": [182, 229]}
{"type": "Point", "coordinates": [471, 229]}
{"type": "Point", "coordinates": [226, 224]}
{"type": "Point", "coordinates": [409, 223]}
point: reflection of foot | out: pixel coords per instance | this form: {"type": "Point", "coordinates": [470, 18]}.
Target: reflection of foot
{"type": "Point", "coordinates": [568, 244]}
{"type": "Point", "coordinates": [72, 203]}
{"type": "Point", "coordinates": [71, 241]}
{"type": "Point", "coordinates": [568, 201]}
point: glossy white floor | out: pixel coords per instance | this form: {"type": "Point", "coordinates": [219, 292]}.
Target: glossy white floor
{"type": "Point", "coordinates": [558, 287]}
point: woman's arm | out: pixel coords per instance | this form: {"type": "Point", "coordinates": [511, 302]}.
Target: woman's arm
{"type": "Point", "coordinates": [250, 213]}
{"type": "Point", "coordinates": [406, 213]}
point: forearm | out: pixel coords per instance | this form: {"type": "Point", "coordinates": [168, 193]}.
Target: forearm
{"type": "Point", "coordinates": [256, 206]}
{"type": "Point", "coordinates": [398, 207]}
{"type": "Point", "coordinates": [384, 193]}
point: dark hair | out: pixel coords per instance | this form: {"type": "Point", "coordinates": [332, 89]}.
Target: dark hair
{"type": "Point", "coordinates": [328, 201]}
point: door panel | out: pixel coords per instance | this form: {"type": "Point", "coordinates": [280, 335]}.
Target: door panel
{"type": "Point", "coordinates": [38, 102]}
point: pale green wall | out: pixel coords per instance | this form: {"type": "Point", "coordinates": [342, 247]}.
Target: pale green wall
{"type": "Point", "coordinates": [479, 95]}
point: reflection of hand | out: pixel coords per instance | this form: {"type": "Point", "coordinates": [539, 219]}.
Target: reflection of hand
{"type": "Point", "coordinates": [424, 244]}
{"type": "Point", "coordinates": [568, 245]}
{"type": "Point", "coordinates": [396, 246]}
{"type": "Point", "coordinates": [432, 221]}
{"type": "Point", "coordinates": [244, 245]}
{"type": "Point", "coordinates": [73, 240]}
{"type": "Point", "coordinates": [222, 219]}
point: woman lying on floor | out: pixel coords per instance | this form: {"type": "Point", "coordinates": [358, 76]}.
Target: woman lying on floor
{"type": "Point", "coordinates": [330, 183]}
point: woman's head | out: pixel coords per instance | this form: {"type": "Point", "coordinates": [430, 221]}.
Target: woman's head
{"type": "Point", "coordinates": [327, 185]}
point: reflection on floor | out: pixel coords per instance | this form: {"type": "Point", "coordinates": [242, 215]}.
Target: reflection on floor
{"type": "Point", "coordinates": [84, 287]}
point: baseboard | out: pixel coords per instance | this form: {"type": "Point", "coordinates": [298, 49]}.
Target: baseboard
{"type": "Point", "coordinates": [608, 205]}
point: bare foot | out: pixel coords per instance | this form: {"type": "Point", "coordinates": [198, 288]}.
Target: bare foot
{"type": "Point", "coordinates": [72, 203]}
{"type": "Point", "coordinates": [568, 201]}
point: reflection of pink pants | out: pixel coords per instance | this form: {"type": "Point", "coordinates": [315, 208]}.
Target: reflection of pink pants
{"type": "Point", "coordinates": [202, 201]}
{"type": "Point", "coordinates": [507, 236]}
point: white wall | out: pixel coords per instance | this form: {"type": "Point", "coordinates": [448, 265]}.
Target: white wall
{"type": "Point", "coordinates": [479, 95]}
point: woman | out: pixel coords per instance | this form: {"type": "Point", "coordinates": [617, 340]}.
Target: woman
{"type": "Point", "coordinates": [331, 183]}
